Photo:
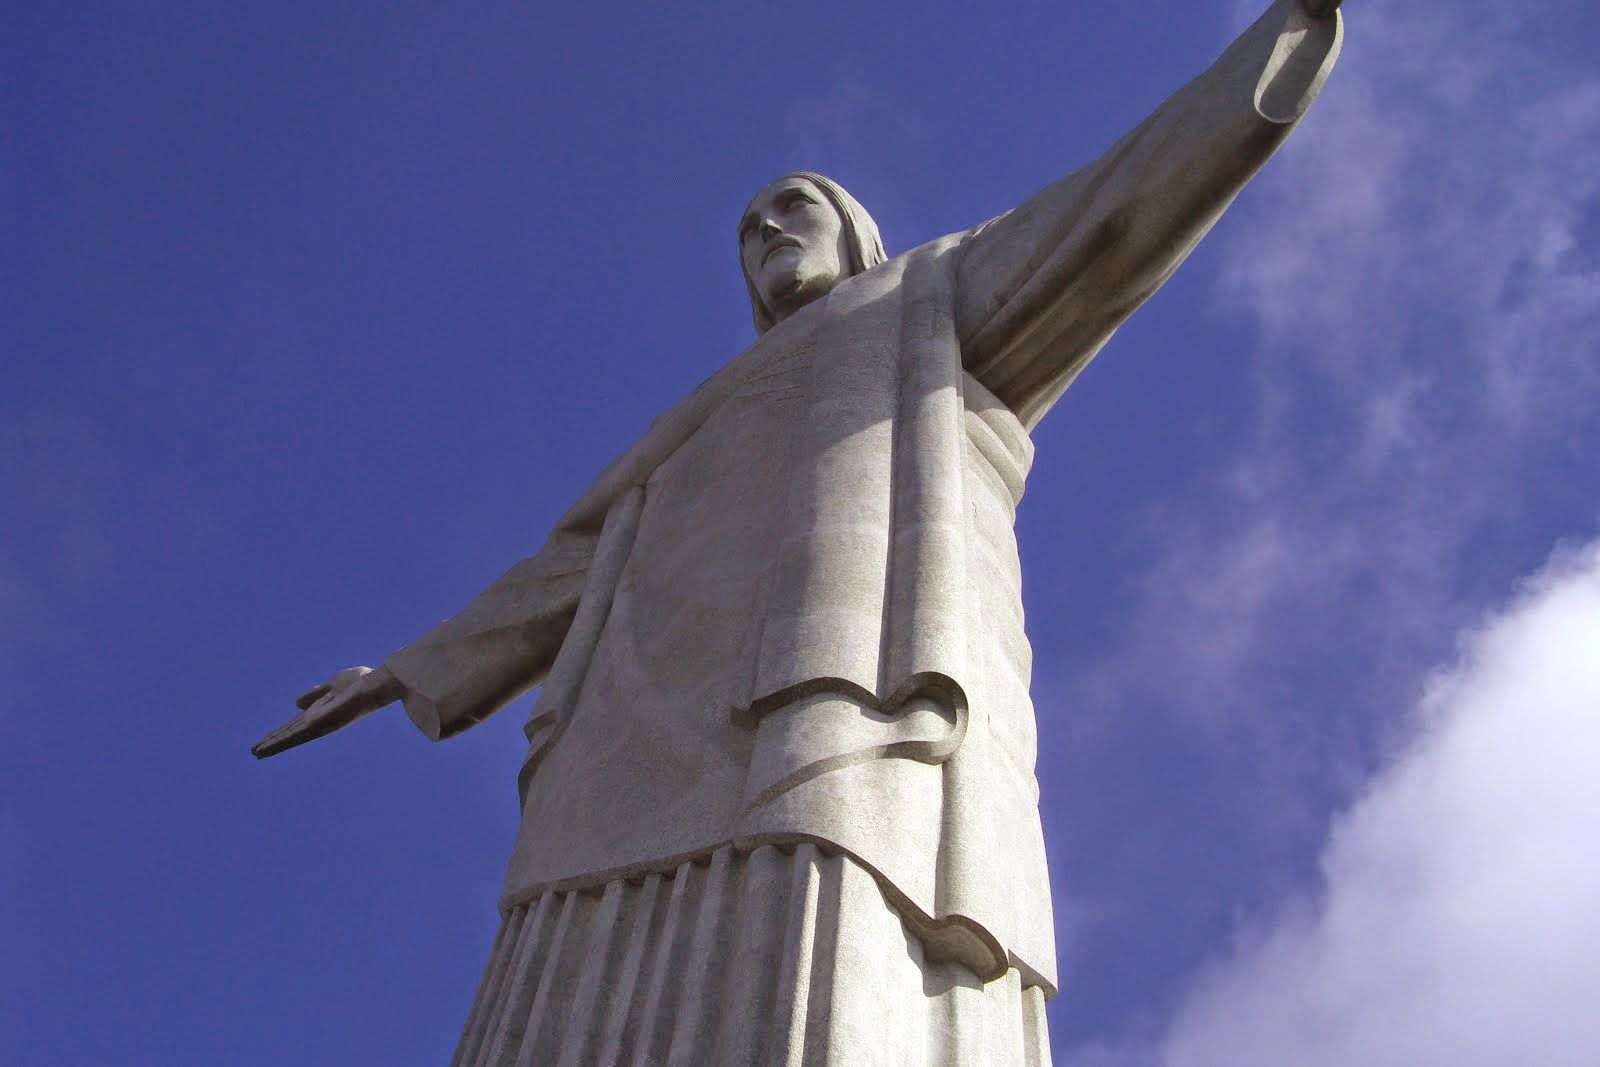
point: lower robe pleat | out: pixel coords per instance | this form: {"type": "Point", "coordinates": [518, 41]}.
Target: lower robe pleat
{"type": "Point", "coordinates": [781, 956]}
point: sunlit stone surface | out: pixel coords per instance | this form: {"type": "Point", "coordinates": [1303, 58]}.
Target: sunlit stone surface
{"type": "Point", "coordinates": [779, 803]}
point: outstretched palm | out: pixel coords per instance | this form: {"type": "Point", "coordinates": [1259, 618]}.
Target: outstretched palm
{"type": "Point", "coordinates": [341, 700]}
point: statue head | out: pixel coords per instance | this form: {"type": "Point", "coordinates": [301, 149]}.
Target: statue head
{"type": "Point", "coordinates": [798, 238]}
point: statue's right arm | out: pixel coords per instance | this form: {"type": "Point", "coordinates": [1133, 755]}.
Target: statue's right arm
{"type": "Point", "coordinates": [499, 646]}
{"type": "Point", "coordinates": [350, 694]}
{"type": "Point", "coordinates": [468, 666]}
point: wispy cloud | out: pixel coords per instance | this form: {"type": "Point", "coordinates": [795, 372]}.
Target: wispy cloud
{"type": "Point", "coordinates": [1415, 266]}
{"type": "Point", "coordinates": [1433, 217]}
{"type": "Point", "coordinates": [1456, 925]}
{"type": "Point", "coordinates": [1427, 376]}
{"type": "Point", "coordinates": [1429, 320]}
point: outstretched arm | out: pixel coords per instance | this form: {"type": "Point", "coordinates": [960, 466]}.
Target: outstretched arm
{"type": "Point", "coordinates": [1040, 289]}
{"type": "Point", "coordinates": [507, 639]}
{"type": "Point", "coordinates": [465, 668]}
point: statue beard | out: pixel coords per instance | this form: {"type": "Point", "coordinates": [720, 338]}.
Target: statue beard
{"type": "Point", "coordinates": [794, 289]}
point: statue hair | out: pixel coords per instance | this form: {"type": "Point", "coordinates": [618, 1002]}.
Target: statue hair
{"type": "Point", "coordinates": [862, 243]}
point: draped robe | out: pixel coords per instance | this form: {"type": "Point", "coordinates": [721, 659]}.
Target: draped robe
{"type": "Point", "coordinates": [791, 612]}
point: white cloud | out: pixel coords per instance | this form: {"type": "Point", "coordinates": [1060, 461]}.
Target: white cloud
{"type": "Point", "coordinates": [1426, 397]}
{"type": "Point", "coordinates": [1457, 926]}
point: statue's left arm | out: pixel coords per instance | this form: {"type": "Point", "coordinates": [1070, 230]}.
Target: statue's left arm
{"type": "Point", "coordinates": [1040, 289]}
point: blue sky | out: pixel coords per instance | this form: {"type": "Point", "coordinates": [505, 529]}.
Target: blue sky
{"type": "Point", "coordinates": [315, 318]}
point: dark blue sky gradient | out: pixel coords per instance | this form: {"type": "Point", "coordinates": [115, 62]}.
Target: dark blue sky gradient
{"type": "Point", "coordinates": [316, 316]}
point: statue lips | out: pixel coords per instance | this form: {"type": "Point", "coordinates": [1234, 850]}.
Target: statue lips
{"type": "Point", "coordinates": [777, 246]}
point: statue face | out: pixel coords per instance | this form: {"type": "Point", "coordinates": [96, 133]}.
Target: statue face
{"type": "Point", "coordinates": [792, 244]}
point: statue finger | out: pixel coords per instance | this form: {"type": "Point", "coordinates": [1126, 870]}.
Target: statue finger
{"type": "Point", "coordinates": [312, 695]}
{"type": "Point", "coordinates": [279, 738]}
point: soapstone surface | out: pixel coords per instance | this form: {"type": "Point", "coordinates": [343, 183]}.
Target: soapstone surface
{"type": "Point", "coordinates": [784, 728]}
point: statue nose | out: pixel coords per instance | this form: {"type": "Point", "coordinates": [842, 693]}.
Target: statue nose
{"type": "Point", "coordinates": [769, 229]}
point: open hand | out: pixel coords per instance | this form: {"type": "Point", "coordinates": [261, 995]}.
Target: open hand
{"type": "Point", "coordinates": [336, 703]}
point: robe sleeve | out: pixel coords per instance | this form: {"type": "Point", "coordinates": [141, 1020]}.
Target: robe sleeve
{"type": "Point", "coordinates": [502, 644]}
{"type": "Point", "coordinates": [506, 640]}
{"type": "Point", "coordinates": [1040, 289]}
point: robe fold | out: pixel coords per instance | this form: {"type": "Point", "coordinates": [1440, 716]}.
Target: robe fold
{"type": "Point", "coordinates": [791, 614]}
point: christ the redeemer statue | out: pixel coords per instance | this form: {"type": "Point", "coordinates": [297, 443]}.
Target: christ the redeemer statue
{"type": "Point", "coordinates": [779, 802]}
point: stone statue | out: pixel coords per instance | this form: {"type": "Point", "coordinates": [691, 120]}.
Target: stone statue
{"type": "Point", "coordinates": [779, 802]}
